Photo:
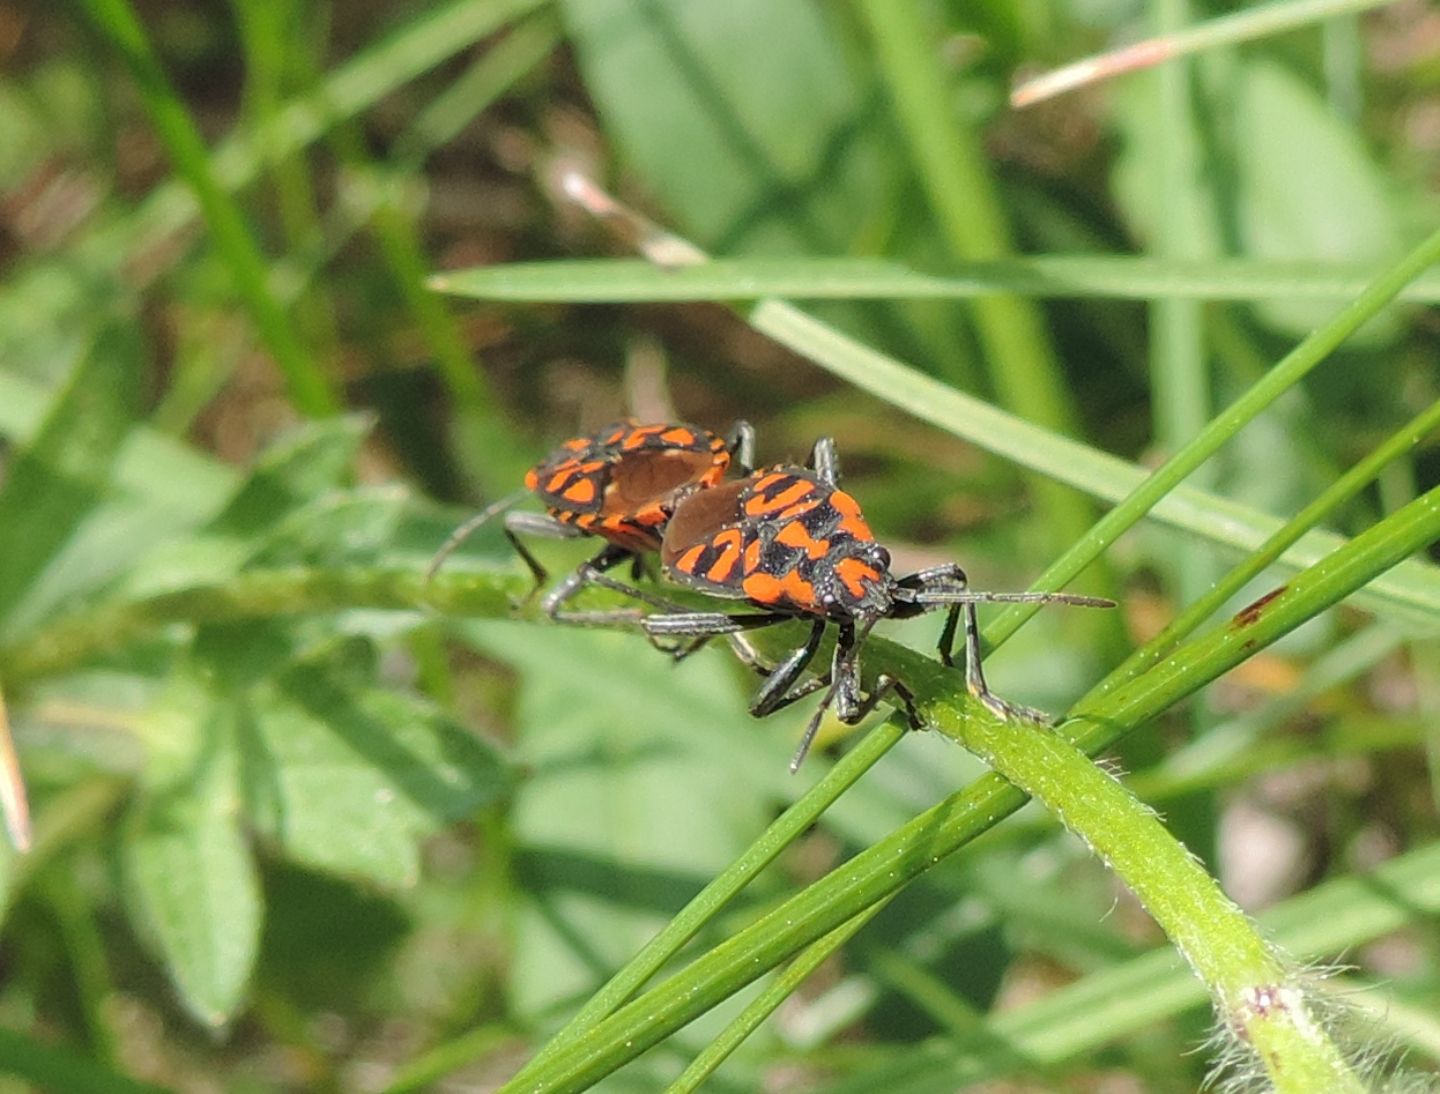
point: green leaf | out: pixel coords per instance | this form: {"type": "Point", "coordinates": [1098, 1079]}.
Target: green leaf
{"type": "Point", "coordinates": [151, 463]}
{"type": "Point", "coordinates": [192, 885]}
{"type": "Point", "coordinates": [65, 471]}
{"type": "Point", "coordinates": [1305, 188]}
{"type": "Point", "coordinates": [774, 156]}
{"type": "Point", "coordinates": [348, 778]}
{"type": "Point", "coordinates": [304, 465]}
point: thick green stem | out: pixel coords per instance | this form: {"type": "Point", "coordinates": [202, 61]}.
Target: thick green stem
{"type": "Point", "coordinates": [260, 594]}
{"type": "Point", "coordinates": [1254, 993]}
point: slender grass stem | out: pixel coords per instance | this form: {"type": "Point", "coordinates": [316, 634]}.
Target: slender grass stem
{"type": "Point", "coordinates": [1342, 490]}
{"type": "Point", "coordinates": [1248, 25]}
{"type": "Point", "coordinates": [252, 595]}
{"type": "Point", "coordinates": [771, 996]}
{"type": "Point", "coordinates": [1051, 277]}
{"type": "Point", "coordinates": [310, 389]}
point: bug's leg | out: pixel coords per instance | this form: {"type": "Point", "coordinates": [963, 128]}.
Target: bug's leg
{"type": "Point", "coordinates": [843, 695]}
{"type": "Point", "coordinates": [825, 463]}
{"type": "Point", "coordinates": [779, 689]}
{"type": "Point", "coordinates": [948, 575]}
{"type": "Point", "coordinates": [594, 573]}
{"type": "Point", "coordinates": [700, 627]}
{"type": "Point", "coordinates": [946, 644]}
{"type": "Point", "coordinates": [703, 626]}
{"type": "Point", "coordinates": [543, 526]}
{"type": "Point", "coordinates": [975, 679]}
{"type": "Point", "coordinates": [692, 624]}
{"type": "Point", "coordinates": [938, 586]}
{"type": "Point", "coordinates": [587, 573]}
{"type": "Point", "coordinates": [741, 442]}
{"type": "Point", "coordinates": [633, 616]}
{"type": "Point", "coordinates": [538, 572]}
{"type": "Point", "coordinates": [467, 529]}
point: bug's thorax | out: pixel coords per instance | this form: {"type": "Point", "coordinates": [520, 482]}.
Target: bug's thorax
{"type": "Point", "coordinates": [783, 540]}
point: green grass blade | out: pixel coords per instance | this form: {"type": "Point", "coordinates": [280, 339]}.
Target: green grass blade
{"type": "Point", "coordinates": [954, 172]}
{"type": "Point", "coordinates": [1179, 365]}
{"type": "Point", "coordinates": [771, 996]}
{"type": "Point", "coordinates": [1247, 25]}
{"type": "Point", "coordinates": [309, 388]}
{"type": "Point", "coordinates": [354, 86]}
{"type": "Point", "coordinates": [256, 594]}
{"type": "Point", "coordinates": [1061, 277]}
{"type": "Point", "coordinates": [494, 73]}
{"type": "Point", "coordinates": [1347, 486]}
{"type": "Point", "coordinates": [482, 434]}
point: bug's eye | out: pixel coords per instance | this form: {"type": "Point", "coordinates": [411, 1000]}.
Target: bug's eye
{"type": "Point", "coordinates": [882, 556]}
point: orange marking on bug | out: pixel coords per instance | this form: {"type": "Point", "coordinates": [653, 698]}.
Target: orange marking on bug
{"type": "Point", "coordinates": [752, 555]}
{"type": "Point", "coordinates": [729, 543]}
{"type": "Point", "coordinates": [856, 574]}
{"type": "Point", "coordinates": [764, 482]}
{"type": "Point", "coordinates": [687, 562]}
{"type": "Point", "coordinates": [850, 518]}
{"type": "Point", "coordinates": [760, 504]}
{"type": "Point", "coordinates": [799, 509]}
{"type": "Point", "coordinates": [763, 588]}
{"type": "Point", "coordinates": [640, 435]}
{"type": "Point", "coordinates": [577, 444]}
{"type": "Point", "coordinates": [532, 479]}
{"type": "Point", "coordinates": [800, 591]}
{"type": "Point", "coordinates": [581, 491]}
{"type": "Point", "coordinates": [557, 481]}
{"type": "Point", "coordinates": [678, 435]}
{"type": "Point", "coordinates": [794, 534]}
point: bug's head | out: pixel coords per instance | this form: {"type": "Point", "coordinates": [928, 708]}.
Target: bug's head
{"type": "Point", "coordinates": [860, 585]}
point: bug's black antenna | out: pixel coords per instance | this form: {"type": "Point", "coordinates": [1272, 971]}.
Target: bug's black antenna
{"type": "Point", "coordinates": [943, 597]}
{"type": "Point", "coordinates": [466, 530]}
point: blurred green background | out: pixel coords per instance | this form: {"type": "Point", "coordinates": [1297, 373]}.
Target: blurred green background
{"type": "Point", "coordinates": [296, 830]}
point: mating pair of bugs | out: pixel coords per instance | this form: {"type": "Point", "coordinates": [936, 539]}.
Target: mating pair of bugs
{"type": "Point", "coordinates": [787, 539]}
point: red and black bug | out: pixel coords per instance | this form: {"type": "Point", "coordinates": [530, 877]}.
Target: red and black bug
{"type": "Point", "coordinates": [619, 483]}
{"type": "Point", "coordinates": [795, 545]}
